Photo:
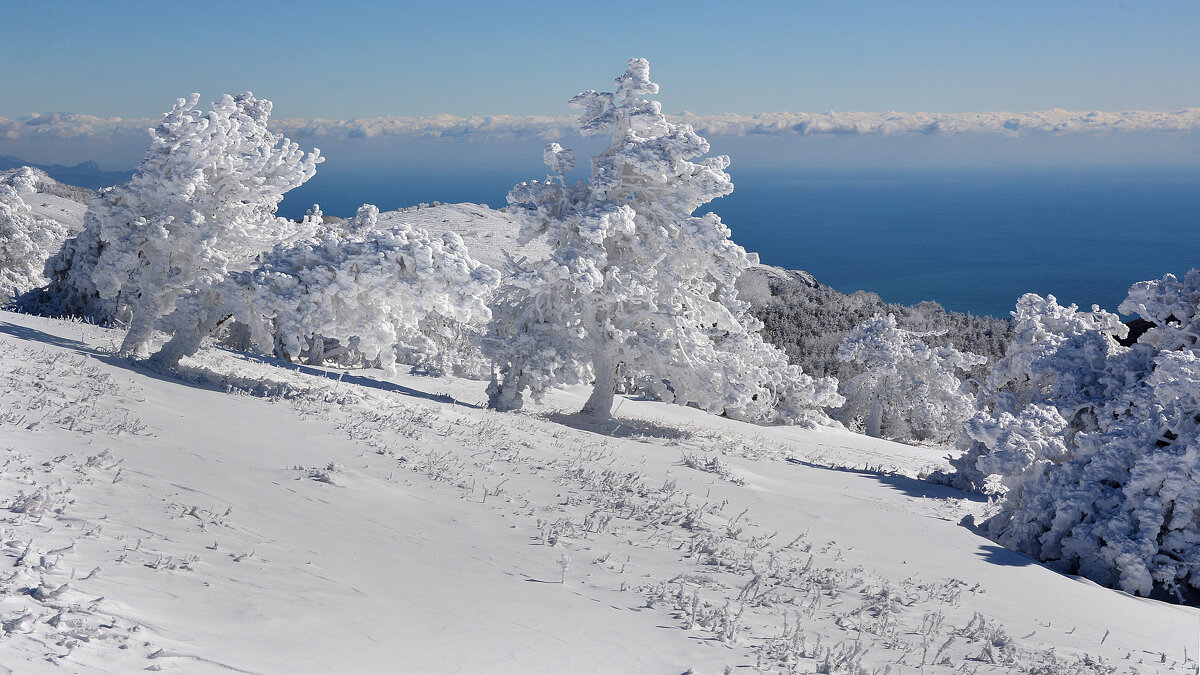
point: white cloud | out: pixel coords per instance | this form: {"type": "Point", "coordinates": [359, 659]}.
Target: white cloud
{"type": "Point", "coordinates": [488, 127]}
{"type": "Point", "coordinates": [437, 126]}
{"type": "Point", "coordinates": [894, 123]}
{"type": "Point", "coordinates": [71, 126]}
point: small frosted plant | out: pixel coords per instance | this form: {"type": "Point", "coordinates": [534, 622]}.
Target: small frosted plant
{"type": "Point", "coordinates": [564, 564]}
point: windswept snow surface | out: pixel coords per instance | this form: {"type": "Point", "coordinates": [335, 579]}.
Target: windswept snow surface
{"type": "Point", "coordinates": [255, 516]}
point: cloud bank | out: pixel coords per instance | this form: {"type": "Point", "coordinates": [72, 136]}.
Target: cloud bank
{"type": "Point", "coordinates": [895, 123]}
{"type": "Point", "coordinates": [65, 126]}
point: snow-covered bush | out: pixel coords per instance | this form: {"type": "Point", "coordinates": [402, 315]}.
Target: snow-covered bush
{"type": "Point", "coordinates": [1173, 306]}
{"type": "Point", "coordinates": [1097, 446]}
{"type": "Point", "coordinates": [354, 295]}
{"type": "Point", "coordinates": [26, 241]}
{"type": "Point", "coordinates": [1057, 358]}
{"type": "Point", "coordinates": [637, 291]}
{"type": "Point", "coordinates": [71, 291]}
{"type": "Point", "coordinates": [201, 204]}
{"type": "Point", "coordinates": [907, 390]}
{"type": "Point", "coordinates": [23, 181]}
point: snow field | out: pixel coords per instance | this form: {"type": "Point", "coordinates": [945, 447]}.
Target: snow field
{"type": "Point", "coordinates": [256, 516]}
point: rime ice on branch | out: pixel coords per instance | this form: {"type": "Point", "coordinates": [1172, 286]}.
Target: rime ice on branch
{"type": "Point", "coordinates": [362, 288]}
{"type": "Point", "coordinates": [1055, 362]}
{"type": "Point", "coordinates": [638, 293]}
{"type": "Point", "coordinates": [1096, 446]}
{"type": "Point", "coordinates": [907, 390]}
{"type": "Point", "coordinates": [26, 241]}
{"type": "Point", "coordinates": [202, 204]}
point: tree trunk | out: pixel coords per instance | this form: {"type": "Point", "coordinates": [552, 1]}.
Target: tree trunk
{"type": "Point", "coordinates": [599, 404]}
{"type": "Point", "coordinates": [137, 340]}
{"type": "Point", "coordinates": [506, 396]}
{"type": "Point", "coordinates": [183, 343]}
{"type": "Point", "coordinates": [316, 351]}
{"type": "Point", "coordinates": [179, 346]}
{"type": "Point", "coordinates": [874, 424]}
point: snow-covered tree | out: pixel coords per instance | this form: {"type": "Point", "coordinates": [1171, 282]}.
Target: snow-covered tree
{"type": "Point", "coordinates": [1097, 446]}
{"type": "Point", "coordinates": [1173, 306]}
{"type": "Point", "coordinates": [357, 294]}
{"type": "Point", "coordinates": [71, 291]}
{"type": "Point", "coordinates": [201, 204]}
{"type": "Point", "coordinates": [637, 291]}
{"type": "Point", "coordinates": [907, 390]}
{"type": "Point", "coordinates": [26, 241]}
{"type": "Point", "coordinates": [1057, 358]}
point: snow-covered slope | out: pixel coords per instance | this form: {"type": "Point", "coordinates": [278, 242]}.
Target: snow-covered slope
{"type": "Point", "coordinates": [66, 212]}
{"type": "Point", "coordinates": [488, 233]}
{"type": "Point", "coordinates": [64, 204]}
{"type": "Point", "coordinates": [262, 517]}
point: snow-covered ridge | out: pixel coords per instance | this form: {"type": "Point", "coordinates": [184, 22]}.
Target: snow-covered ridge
{"type": "Point", "coordinates": [481, 127]}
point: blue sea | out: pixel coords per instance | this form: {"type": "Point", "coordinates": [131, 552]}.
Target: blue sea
{"type": "Point", "coordinates": [973, 240]}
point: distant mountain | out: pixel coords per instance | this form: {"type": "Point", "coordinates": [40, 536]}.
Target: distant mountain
{"type": "Point", "coordinates": [85, 174]}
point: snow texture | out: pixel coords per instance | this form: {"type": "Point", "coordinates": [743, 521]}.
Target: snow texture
{"type": "Point", "coordinates": [490, 235]}
{"type": "Point", "coordinates": [252, 516]}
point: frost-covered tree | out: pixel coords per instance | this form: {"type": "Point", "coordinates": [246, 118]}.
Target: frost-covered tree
{"type": "Point", "coordinates": [907, 390]}
{"type": "Point", "coordinates": [71, 291]}
{"type": "Point", "coordinates": [26, 241]}
{"type": "Point", "coordinates": [358, 294]}
{"type": "Point", "coordinates": [637, 291]}
{"type": "Point", "coordinates": [809, 320]}
{"type": "Point", "coordinates": [1097, 450]}
{"type": "Point", "coordinates": [201, 204]}
{"type": "Point", "coordinates": [1053, 373]}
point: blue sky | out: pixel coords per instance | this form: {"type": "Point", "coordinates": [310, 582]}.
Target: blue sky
{"type": "Point", "coordinates": [369, 59]}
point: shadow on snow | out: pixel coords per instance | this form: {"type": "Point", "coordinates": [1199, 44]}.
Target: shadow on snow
{"type": "Point", "coordinates": [616, 428]}
{"type": "Point", "coordinates": [35, 335]}
{"type": "Point", "coordinates": [913, 487]}
{"type": "Point", "coordinates": [201, 377]}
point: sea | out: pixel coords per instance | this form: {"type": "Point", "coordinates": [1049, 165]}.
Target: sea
{"type": "Point", "coordinates": [971, 239]}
